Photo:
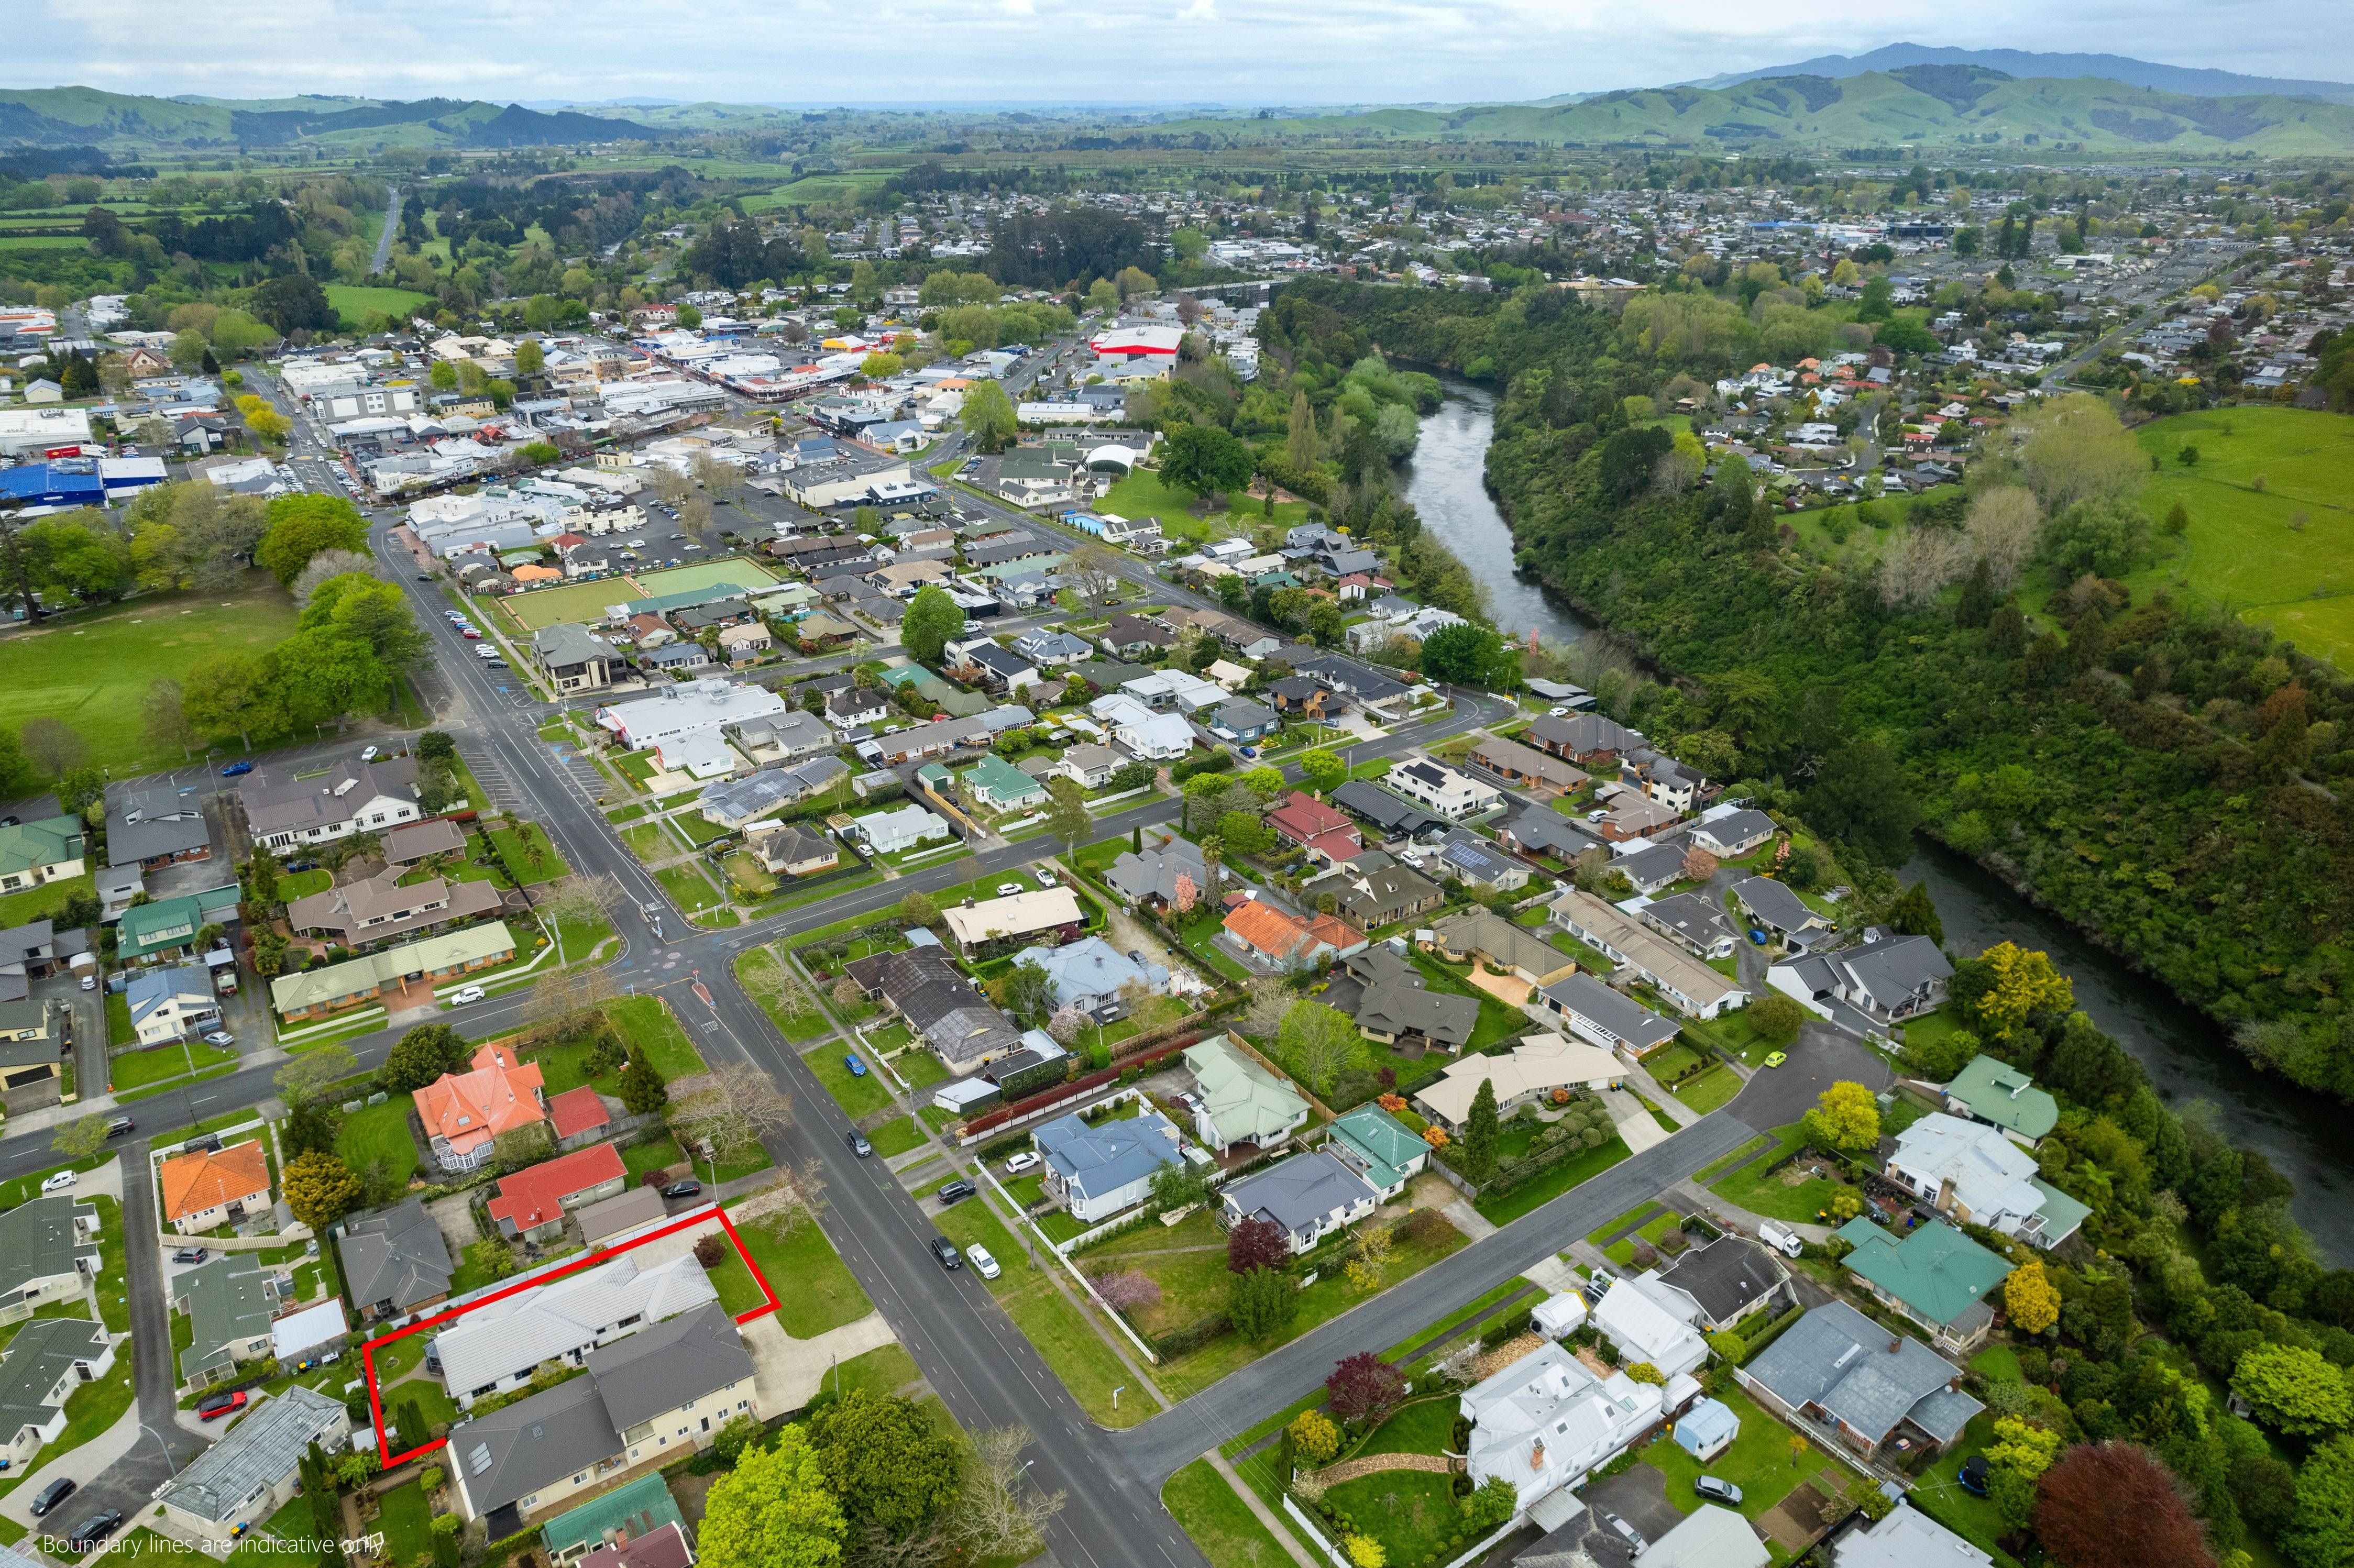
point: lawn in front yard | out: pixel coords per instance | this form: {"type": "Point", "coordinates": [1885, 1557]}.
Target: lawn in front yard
{"type": "Point", "coordinates": [1411, 1513]}
{"type": "Point", "coordinates": [689, 888]}
{"type": "Point", "coordinates": [380, 1133]}
{"type": "Point", "coordinates": [1774, 1195]}
{"type": "Point", "coordinates": [647, 1029]}
{"type": "Point", "coordinates": [1939, 1493]}
{"type": "Point", "coordinates": [1708, 1091]}
{"type": "Point", "coordinates": [1552, 1183]}
{"type": "Point", "coordinates": [895, 1137]}
{"type": "Point", "coordinates": [815, 1290]}
{"type": "Point", "coordinates": [1622, 1251]}
{"type": "Point", "coordinates": [136, 1069]}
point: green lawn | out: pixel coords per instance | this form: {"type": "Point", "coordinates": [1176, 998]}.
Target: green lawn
{"type": "Point", "coordinates": [883, 1370]}
{"type": "Point", "coordinates": [2282, 554]}
{"type": "Point", "coordinates": [40, 903]}
{"type": "Point", "coordinates": [516, 854]}
{"type": "Point", "coordinates": [1554, 1182]}
{"type": "Point", "coordinates": [895, 1137]}
{"type": "Point", "coordinates": [857, 1095]}
{"type": "Point", "coordinates": [650, 841]}
{"type": "Point", "coordinates": [137, 1069]}
{"type": "Point", "coordinates": [1425, 1426]}
{"type": "Point", "coordinates": [1770, 1195]}
{"type": "Point", "coordinates": [1142, 494]}
{"type": "Point", "coordinates": [1411, 1513]}
{"type": "Point", "coordinates": [381, 1132]}
{"type": "Point", "coordinates": [647, 1029]}
{"type": "Point", "coordinates": [1622, 1251]}
{"type": "Point", "coordinates": [1759, 1462]}
{"type": "Point", "coordinates": [1940, 1495]}
{"type": "Point", "coordinates": [1219, 1522]}
{"type": "Point", "coordinates": [92, 668]}
{"type": "Point", "coordinates": [1709, 1090]}
{"type": "Point", "coordinates": [689, 887]}
{"type": "Point", "coordinates": [815, 1289]}
{"type": "Point", "coordinates": [354, 305]}
{"type": "Point", "coordinates": [407, 1523]}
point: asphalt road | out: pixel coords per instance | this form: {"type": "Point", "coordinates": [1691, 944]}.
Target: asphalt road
{"type": "Point", "coordinates": [391, 228]}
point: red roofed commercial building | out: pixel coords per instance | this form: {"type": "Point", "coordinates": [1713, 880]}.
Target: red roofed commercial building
{"type": "Point", "coordinates": [579, 1115]}
{"type": "Point", "coordinates": [1303, 819]}
{"type": "Point", "coordinates": [464, 1113]}
{"type": "Point", "coordinates": [1276, 939]}
{"type": "Point", "coordinates": [532, 1204]}
{"type": "Point", "coordinates": [1137, 340]}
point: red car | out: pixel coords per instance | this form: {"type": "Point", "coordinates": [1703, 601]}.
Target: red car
{"type": "Point", "coordinates": [215, 1406]}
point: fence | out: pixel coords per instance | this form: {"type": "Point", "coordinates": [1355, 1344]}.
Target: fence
{"type": "Point", "coordinates": [1085, 1283]}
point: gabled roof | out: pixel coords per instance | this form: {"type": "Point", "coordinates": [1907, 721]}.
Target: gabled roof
{"type": "Point", "coordinates": [202, 1180]}
{"type": "Point", "coordinates": [1299, 1191]}
{"type": "Point", "coordinates": [42, 1353]}
{"type": "Point", "coordinates": [1935, 1270]}
{"type": "Point", "coordinates": [498, 1339]}
{"type": "Point", "coordinates": [1096, 1161]}
{"type": "Point", "coordinates": [41, 1237]}
{"type": "Point", "coordinates": [1775, 903]}
{"type": "Point", "coordinates": [1997, 1092]}
{"type": "Point", "coordinates": [666, 1365]}
{"type": "Point", "coordinates": [1867, 1376]}
{"type": "Point", "coordinates": [510, 1453]}
{"type": "Point", "coordinates": [576, 1111]}
{"type": "Point", "coordinates": [1725, 1278]}
{"type": "Point", "coordinates": [1246, 1103]}
{"type": "Point", "coordinates": [260, 1450]}
{"type": "Point", "coordinates": [398, 1254]}
{"type": "Point", "coordinates": [534, 1196]}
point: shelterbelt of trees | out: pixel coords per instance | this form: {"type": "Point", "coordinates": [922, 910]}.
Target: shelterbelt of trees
{"type": "Point", "coordinates": [2165, 776]}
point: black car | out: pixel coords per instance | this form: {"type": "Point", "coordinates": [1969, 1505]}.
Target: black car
{"type": "Point", "coordinates": [858, 1144]}
{"type": "Point", "coordinates": [189, 1255]}
{"type": "Point", "coordinates": [94, 1529]}
{"type": "Point", "coordinates": [942, 1248]}
{"type": "Point", "coordinates": [118, 1127]}
{"type": "Point", "coordinates": [56, 1492]}
{"type": "Point", "coordinates": [689, 1189]}
{"type": "Point", "coordinates": [956, 1191]}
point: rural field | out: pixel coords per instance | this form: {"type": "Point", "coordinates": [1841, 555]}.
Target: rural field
{"type": "Point", "coordinates": [92, 668]}
{"type": "Point", "coordinates": [356, 305]}
{"type": "Point", "coordinates": [2272, 518]}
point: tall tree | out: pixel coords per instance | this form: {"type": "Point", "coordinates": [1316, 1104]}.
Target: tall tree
{"type": "Point", "coordinates": [886, 1462]}
{"type": "Point", "coordinates": [163, 717]}
{"type": "Point", "coordinates": [1066, 812]}
{"type": "Point", "coordinates": [2114, 1504]}
{"type": "Point", "coordinates": [1480, 1134]}
{"type": "Point", "coordinates": [932, 618]}
{"type": "Point", "coordinates": [1318, 1042]}
{"type": "Point", "coordinates": [774, 1510]}
{"type": "Point", "coordinates": [1206, 460]}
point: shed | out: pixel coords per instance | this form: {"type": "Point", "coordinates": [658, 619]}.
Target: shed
{"type": "Point", "coordinates": [1707, 1429]}
{"type": "Point", "coordinates": [1561, 1314]}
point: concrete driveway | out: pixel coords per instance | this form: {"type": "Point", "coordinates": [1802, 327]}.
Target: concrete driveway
{"type": "Point", "coordinates": [1775, 1097]}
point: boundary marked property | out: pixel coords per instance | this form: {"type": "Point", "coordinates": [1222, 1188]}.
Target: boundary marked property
{"type": "Point", "coordinates": [570, 1266]}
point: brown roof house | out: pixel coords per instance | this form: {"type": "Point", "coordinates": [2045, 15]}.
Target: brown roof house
{"type": "Point", "coordinates": [379, 908]}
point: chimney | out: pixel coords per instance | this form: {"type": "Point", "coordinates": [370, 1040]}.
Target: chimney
{"type": "Point", "coordinates": [1894, 1345]}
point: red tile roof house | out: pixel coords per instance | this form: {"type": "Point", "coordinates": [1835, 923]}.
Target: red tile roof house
{"type": "Point", "coordinates": [578, 1116]}
{"type": "Point", "coordinates": [1275, 940]}
{"type": "Point", "coordinates": [1302, 818]}
{"type": "Point", "coordinates": [532, 1204]}
{"type": "Point", "coordinates": [464, 1113]}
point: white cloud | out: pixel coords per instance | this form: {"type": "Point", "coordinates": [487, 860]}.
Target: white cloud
{"type": "Point", "coordinates": [1124, 51]}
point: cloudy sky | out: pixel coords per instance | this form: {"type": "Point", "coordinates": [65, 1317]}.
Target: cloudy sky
{"type": "Point", "coordinates": [1066, 51]}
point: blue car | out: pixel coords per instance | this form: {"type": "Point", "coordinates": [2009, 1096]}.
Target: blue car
{"type": "Point", "coordinates": [1756, 935]}
{"type": "Point", "coordinates": [857, 1068]}
{"type": "Point", "coordinates": [237, 769]}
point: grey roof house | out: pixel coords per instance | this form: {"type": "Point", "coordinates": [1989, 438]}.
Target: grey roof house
{"type": "Point", "coordinates": [1151, 877]}
{"type": "Point", "coordinates": [1773, 906]}
{"type": "Point", "coordinates": [252, 1473]}
{"type": "Point", "coordinates": [395, 1260]}
{"type": "Point", "coordinates": [231, 1302]}
{"type": "Point", "coordinates": [1692, 921]}
{"type": "Point", "coordinates": [48, 1249]}
{"type": "Point", "coordinates": [533, 1454]}
{"type": "Point", "coordinates": [1309, 1195]}
{"type": "Point", "coordinates": [155, 825]}
{"type": "Point", "coordinates": [1101, 1170]}
{"type": "Point", "coordinates": [1840, 1374]}
{"type": "Point", "coordinates": [45, 1362]}
{"type": "Point", "coordinates": [1726, 1280]}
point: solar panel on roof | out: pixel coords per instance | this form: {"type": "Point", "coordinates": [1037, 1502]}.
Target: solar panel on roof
{"type": "Point", "coordinates": [479, 1459]}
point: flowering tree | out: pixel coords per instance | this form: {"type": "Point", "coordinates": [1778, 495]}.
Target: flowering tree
{"type": "Point", "coordinates": [1068, 1022]}
{"type": "Point", "coordinates": [1256, 1244]}
{"type": "Point", "coordinates": [1183, 894]}
{"type": "Point", "coordinates": [1127, 1291]}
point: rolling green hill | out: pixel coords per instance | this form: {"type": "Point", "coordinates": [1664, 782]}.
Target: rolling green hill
{"type": "Point", "coordinates": [67, 116]}
{"type": "Point", "coordinates": [1919, 105]}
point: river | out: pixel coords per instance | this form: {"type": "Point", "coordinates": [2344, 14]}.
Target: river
{"type": "Point", "coordinates": [1446, 480]}
{"type": "Point", "coordinates": [2183, 1050]}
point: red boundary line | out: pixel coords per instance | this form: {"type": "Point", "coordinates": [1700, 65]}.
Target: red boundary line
{"type": "Point", "coordinates": [368, 1350]}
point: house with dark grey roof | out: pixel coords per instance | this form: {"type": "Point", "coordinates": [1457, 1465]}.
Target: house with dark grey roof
{"type": "Point", "coordinates": [229, 1302]}
{"type": "Point", "coordinates": [573, 659]}
{"type": "Point", "coordinates": [1374, 896]}
{"type": "Point", "coordinates": [1541, 829]}
{"type": "Point", "coordinates": [395, 1260]}
{"type": "Point", "coordinates": [255, 1471]}
{"type": "Point", "coordinates": [152, 825]}
{"type": "Point", "coordinates": [1776, 910]}
{"type": "Point", "coordinates": [1582, 737]}
{"type": "Point", "coordinates": [44, 1362]}
{"type": "Point", "coordinates": [1731, 834]}
{"type": "Point", "coordinates": [1694, 921]}
{"type": "Point", "coordinates": [1405, 1013]}
{"type": "Point", "coordinates": [535, 1454]}
{"type": "Point", "coordinates": [1726, 1280]}
{"type": "Point", "coordinates": [1597, 1015]}
{"type": "Point", "coordinates": [1395, 817]}
{"type": "Point", "coordinates": [1837, 1375]}
{"type": "Point", "coordinates": [49, 1250]}
{"type": "Point", "coordinates": [1480, 865]}
{"type": "Point", "coordinates": [672, 1386]}
{"type": "Point", "coordinates": [1149, 877]}
{"type": "Point", "coordinates": [1309, 1195]}
{"type": "Point", "coordinates": [1891, 980]}
{"type": "Point", "coordinates": [1651, 867]}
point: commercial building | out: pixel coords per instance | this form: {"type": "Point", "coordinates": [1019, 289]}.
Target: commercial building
{"type": "Point", "coordinates": [282, 810]}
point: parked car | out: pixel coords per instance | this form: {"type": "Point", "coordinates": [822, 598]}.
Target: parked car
{"type": "Point", "coordinates": [213, 1406]}
{"type": "Point", "coordinates": [858, 1144]}
{"type": "Point", "coordinates": [1625, 1532]}
{"type": "Point", "coordinates": [95, 1529]}
{"type": "Point", "coordinates": [982, 1262]}
{"type": "Point", "coordinates": [1776, 1058]}
{"type": "Point", "coordinates": [470, 634]}
{"type": "Point", "coordinates": [236, 770]}
{"type": "Point", "coordinates": [1720, 1491]}
{"type": "Point", "coordinates": [1007, 889]}
{"type": "Point", "coordinates": [1756, 935]}
{"type": "Point", "coordinates": [957, 1191]}
{"type": "Point", "coordinates": [219, 1037]}
{"type": "Point", "coordinates": [1046, 875]}
{"type": "Point", "coordinates": [191, 1255]}
{"type": "Point", "coordinates": [857, 1068]}
{"type": "Point", "coordinates": [59, 1183]}
{"type": "Point", "coordinates": [942, 1248]}
{"type": "Point", "coordinates": [1557, 713]}
{"type": "Point", "coordinates": [466, 994]}
{"type": "Point", "coordinates": [689, 1187]}
{"type": "Point", "coordinates": [56, 1492]}
{"type": "Point", "coordinates": [370, 753]}
{"type": "Point", "coordinates": [1025, 1160]}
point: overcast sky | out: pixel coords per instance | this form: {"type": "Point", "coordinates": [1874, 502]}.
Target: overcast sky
{"type": "Point", "coordinates": [1114, 51]}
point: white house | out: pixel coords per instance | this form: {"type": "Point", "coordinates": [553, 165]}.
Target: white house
{"type": "Point", "coordinates": [1971, 1173]}
{"type": "Point", "coordinates": [168, 1005]}
{"type": "Point", "coordinates": [1644, 1321]}
{"type": "Point", "coordinates": [1154, 736]}
{"type": "Point", "coordinates": [888, 832]}
{"type": "Point", "coordinates": [1726, 831]}
{"type": "Point", "coordinates": [1443, 792]}
{"type": "Point", "coordinates": [1309, 1195]}
{"type": "Point", "coordinates": [1098, 1170]}
{"type": "Point", "coordinates": [1545, 1422]}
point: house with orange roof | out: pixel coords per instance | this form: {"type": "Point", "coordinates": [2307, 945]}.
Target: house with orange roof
{"type": "Point", "coordinates": [579, 1115]}
{"type": "Point", "coordinates": [207, 1188]}
{"type": "Point", "coordinates": [1266, 938]}
{"type": "Point", "coordinates": [532, 1203]}
{"type": "Point", "coordinates": [464, 1113]}
{"type": "Point", "coordinates": [1303, 819]}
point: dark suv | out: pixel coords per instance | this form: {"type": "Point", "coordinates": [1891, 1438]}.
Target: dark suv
{"type": "Point", "coordinates": [56, 1492]}
{"type": "Point", "coordinates": [942, 1248]}
{"type": "Point", "coordinates": [956, 1191]}
{"type": "Point", "coordinates": [94, 1529]}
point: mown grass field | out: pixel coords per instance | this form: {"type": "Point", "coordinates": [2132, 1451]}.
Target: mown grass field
{"type": "Point", "coordinates": [2282, 553]}
{"type": "Point", "coordinates": [356, 305]}
{"type": "Point", "coordinates": [92, 668]}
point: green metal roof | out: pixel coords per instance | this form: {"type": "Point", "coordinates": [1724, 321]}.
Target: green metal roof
{"type": "Point", "coordinates": [167, 922]}
{"type": "Point", "coordinates": [639, 1509]}
{"type": "Point", "coordinates": [2061, 1214]}
{"type": "Point", "coordinates": [1936, 1270]}
{"type": "Point", "coordinates": [1001, 782]}
{"type": "Point", "coordinates": [1999, 1094]}
{"type": "Point", "coordinates": [24, 846]}
{"type": "Point", "coordinates": [1382, 1139]}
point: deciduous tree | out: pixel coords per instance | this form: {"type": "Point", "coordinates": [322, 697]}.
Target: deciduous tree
{"type": "Point", "coordinates": [996, 1515]}
{"type": "Point", "coordinates": [320, 1188]}
{"type": "Point", "coordinates": [775, 1510]}
{"type": "Point", "coordinates": [1323, 771]}
{"type": "Point", "coordinates": [2294, 1389]}
{"type": "Point", "coordinates": [1846, 1117]}
{"type": "Point", "coordinates": [80, 1138]}
{"type": "Point", "coordinates": [1318, 1042]}
{"type": "Point", "coordinates": [2114, 1504]}
{"type": "Point", "coordinates": [1256, 1244]}
{"type": "Point", "coordinates": [932, 618]}
{"type": "Point", "coordinates": [1364, 1389]}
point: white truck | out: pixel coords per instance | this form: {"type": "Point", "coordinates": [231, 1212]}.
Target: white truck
{"type": "Point", "coordinates": [1781, 1240]}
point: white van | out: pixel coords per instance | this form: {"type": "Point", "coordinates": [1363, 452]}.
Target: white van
{"type": "Point", "coordinates": [1783, 1241]}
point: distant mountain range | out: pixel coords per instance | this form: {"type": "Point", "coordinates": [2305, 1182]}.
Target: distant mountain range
{"type": "Point", "coordinates": [2193, 81]}
{"type": "Point", "coordinates": [69, 116]}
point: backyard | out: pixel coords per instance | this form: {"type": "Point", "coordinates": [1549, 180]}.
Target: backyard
{"type": "Point", "coordinates": [1765, 1461]}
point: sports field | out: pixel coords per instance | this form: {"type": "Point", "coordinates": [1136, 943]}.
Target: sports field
{"type": "Point", "coordinates": [586, 602]}
{"type": "Point", "coordinates": [92, 669]}
{"type": "Point", "coordinates": [2271, 501]}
